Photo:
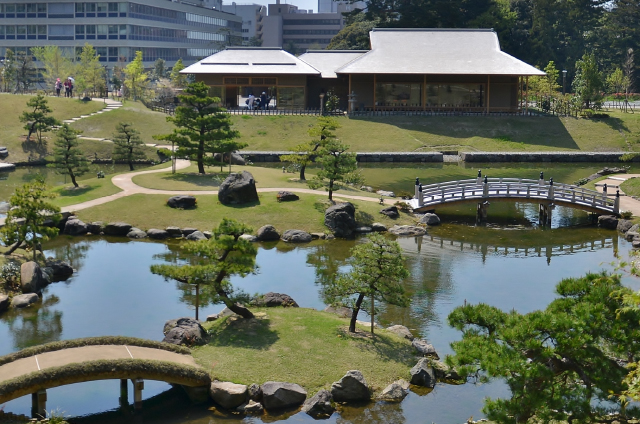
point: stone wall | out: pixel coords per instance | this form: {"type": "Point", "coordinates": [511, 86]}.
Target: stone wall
{"type": "Point", "coordinates": [418, 157]}
{"type": "Point", "coordinates": [543, 157]}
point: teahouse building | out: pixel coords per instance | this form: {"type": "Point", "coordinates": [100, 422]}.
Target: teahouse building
{"type": "Point", "coordinates": [406, 69]}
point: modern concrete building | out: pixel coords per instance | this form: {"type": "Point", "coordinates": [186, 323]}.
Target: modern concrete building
{"type": "Point", "coordinates": [406, 69]}
{"type": "Point", "coordinates": [332, 6]}
{"type": "Point", "coordinates": [252, 20]}
{"type": "Point", "coordinates": [298, 30]}
{"type": "Point", "coordinates": [159, 28]}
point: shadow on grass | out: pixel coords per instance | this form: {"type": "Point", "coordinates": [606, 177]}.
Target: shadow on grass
{"type": "Point", "coordinates": [206, 180]}
{"type": "Point", "coordinates": [383, 346]}
{"type": "Point", "coordinates": [35, 149]}
{"type": "Point", "coordinates": [73, 191]}
{"type": "Point", "coordinates": [613, 122]}
{"type": "Point", "coordinates": [364, 218]}
{"type": "Point", "coordinates": [244, 333]}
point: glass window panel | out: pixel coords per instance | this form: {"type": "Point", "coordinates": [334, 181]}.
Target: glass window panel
{"type": "Point", "coordinates": [61, 30]}
{"type": "Point", "coordinates": [90, 7]}
{"type": "Point", "coordinates": [101, 51]}
{"type": "Point", "coordinates": [32, 8]}
{"type": "Point", "coordinates": [32, 29]}
{"type": "Point", "coordinates": [11, 8]}
{"type": "Point", "coordinates": [21, 30]}
{"type": "Point", "coordinates": [113, 7]}
{"type": "Point", "coordinates": [113, 29]}
{"type": "Point", "coordinates": [21, 8]}
{"type": "Point", "coordinates": [79, 29]}
{"type": "Point", "coordinates": [42, 30]}
{"type": "Point", "coordinates": [11, 29]}
{"type": "Point", "coordinates": [61, 8]}
{"type": "Point", "coordinates": [91, 29]}
{"type": "Point", "coordinates": [79, 7]}
{"type": "Point", "coordinates": [102, 29]}
{"type": "Point", "coordinates": [123, 30]}
{"type": "Point", "coordinates": [102, 7]}
{"type": "Point", "coordinates": [42, 7]}
{"type": "Point", "coordinates": [290, 98]}
{"type": "Point", "coordinates": [113, 51]}
{"type": "Point", "coordinates": [122, 7]}
{"type": "Point", "coordinates": [398, 95]}
{"type": "Point", "coordinates": [1, 30]}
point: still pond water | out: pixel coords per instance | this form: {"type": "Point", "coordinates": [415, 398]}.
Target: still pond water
{"type": "Point", "coordinates": [509, 263]}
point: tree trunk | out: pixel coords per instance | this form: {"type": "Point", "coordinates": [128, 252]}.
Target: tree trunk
{"type": "Point", "coordinates": [197, 300]}
{"type": "Point", "coordinates": [372, 312]}
{"type": "Point", "coordinates": [200, 156]}
{"type": "Point", "coordinates": [239, 309]}
{"type": "Point", "coordinates": [302, 177]}
{"type": "Point", "coordinates": [73, 178]}
{"type": "Point", "coordinates": [14, 247]}
{"type": "Point", "coordinates": [354, 314]}
{"type": "Point", "coordinates": [331, 189]}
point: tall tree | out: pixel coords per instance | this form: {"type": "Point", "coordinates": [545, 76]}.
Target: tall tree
{"type": "Point", "coordinates": [55, 63]}
{"type": "Point", "coordinates": [38, 120]}
{"type": "Point", "coordinates": [127, 144]}
{"type": "Point", "coordinates": [377, 273]}
{"type": "Point", "coordinates": [177, 79]}
{"type": "Point", "coordinates": [203, 128]}
{"type": "Point", "coordinates": [25, 221]}
{"type": "Point", "coordinates": [68, 159]}
{"type": "Point", "coordinates": [90, 73]}
{"type": "Point", "coordinates": [587, 83]}
{"type": "Point", "coordinates": [559, 363]}
{"type": "Point", "coordinates": [25, 72]}
{"type": "Point", "coordinates": [159, 69]}
{"type": "Point", "coordinates": [336, 163]}
{"type": "Point", "coordinates": [8, 70]}
{"type": "Point", "coordinates": [305, 153]}
{"type": "Point", "coordinates": [214, 261]}
{"type": "Point", "coordinates": [135, 77]}
{"type": "Point", "coordinates": [354, 36]}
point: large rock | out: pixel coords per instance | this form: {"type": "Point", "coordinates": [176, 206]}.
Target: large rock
{"type": "Point", "coordinates": [24, 300]}
{"type": "Point", "coordinates": [319, 406]}
{"type": "Point", "coordinates": [444, 372]}
{"type": "Point", "coordinates": [228, 395]}
{"type": "Point", "coordinates": [4, 302]}
{"type": "Point", "coordinates": [182, 202]}
{"type": "Point", "coordinates": [422, 374]}
{"type": "Point", "coordinates": [61, 269]}
{"type": "Point", "coordinates": [253, 407]}
{"type": "Point", "coordinates": [236, 158]}
{"type": "Point", "coordinates": [296, 236]}
{"type": "Point", "coordinates": [136, 233]}
{"type": "Point", "coordinates": [430, 219]}
{"type": "Point", "coordinates": [96, 227]}
{"type": "Point", "coordinates": [286, 196]}
{"type": "Point", "coordinates": [401, 331]}
{"type": "Point", "coordinates": [424, 348]}
{"type": "Point", "coordinates": [184, 331]}
{"type": "Point", "coordinates": [249, 237]}
{"type": "Point", "coordinates": [277, 395]}
{"type": "Point", "coordinates": [187, 231]}
{"type": "Point", "coordinates": [238, 189]}
{"type": "Point", "coordinates": [75, 227]}
{"type": "Point", "coordinates": [624, 225]}
{"type": "Point", "coordinates": [267, 233]}
{"type": "Point", "coordinates": [351, 387]}
{"type": "Point", "coordinates": [174, 232]}
{"type": "Point", "coordinates": [340, 219]}
{"type": "Point", "coordinates": [272, 299]}
{"type": "Point", "coordinates": [32, 278]}
{"type": "Point", "coordinates": [391, 212]}
{"type": "Point", "coordinates": [610, 222]}
{"type": "Point", "coordinates": [157, 234]}
{"type": "Point", "coordinates": [342, 311]}
{"type": "Point", "coordinates": [407, 230]}
{"type": "Point", "coordinates": [116, 229]}
{"type": "Point", "coordinates": [378, 227]}
{"type": "Point", "coordinates": [196, 236]}
{"type": "Point", "coordinates": [395, 392]}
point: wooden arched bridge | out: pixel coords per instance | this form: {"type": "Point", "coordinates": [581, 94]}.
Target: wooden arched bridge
{"type": "Point", "coordinates": [483, 190]}
{"type": "Point", "coordinates": [34, 370]}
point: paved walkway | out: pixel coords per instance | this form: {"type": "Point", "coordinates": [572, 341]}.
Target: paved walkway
{"type": "Point", "coordinates": [63, 357]}
{"type": "Point", "coordinates": [128, 187]}
{"type": "Point", "coordinates": [613, 183]}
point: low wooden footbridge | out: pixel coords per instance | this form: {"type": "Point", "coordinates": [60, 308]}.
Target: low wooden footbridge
{"type": "Point", "coordinates": [34, 370]}
{"type": "Point", "coordinates": [483, 190]}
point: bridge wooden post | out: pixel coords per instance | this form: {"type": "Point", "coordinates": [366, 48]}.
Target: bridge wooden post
{"type": "Point", "coordinates": [541, 180]}
{"type": "Point", "coordinates": [138, 386]}
{"type": "Point", "coordinates": [420, 197]}
{"type": "Point", "coordinates": [485, 187]}
{"type": "Point", "coordinates": [479, 179]}
{"type": "Point", "coordinates": [124, 394]}
{"type": "Point", "coordinates": [39, 404]}
{"type": "Point", "coordinates": [551, 189]}
{"type": "Point", "coordinates": [416, 188]}
{"type": "Point", "coordinates": [616, 203]}
{"type": "Point", "coordinates": [604, 193]}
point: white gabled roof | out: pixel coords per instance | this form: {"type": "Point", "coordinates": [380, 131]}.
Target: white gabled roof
{"type": "Point", "coordinates": [251, 60]}
{"type": "Point", "coordinates": [437, 51]}
{"type": "Point", "coordinates": [327, 61]}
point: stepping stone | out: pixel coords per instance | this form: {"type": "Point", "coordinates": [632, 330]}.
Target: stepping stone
{"type": "Point", "coordinates": [67, 121]}
{"type": "Point", "coordinates": [84, 116]}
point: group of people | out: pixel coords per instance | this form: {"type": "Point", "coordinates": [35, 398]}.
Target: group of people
{"type": "Point", "coordinates": [67, 85]}
{"type": "Point", "coordinates": [261, 102]}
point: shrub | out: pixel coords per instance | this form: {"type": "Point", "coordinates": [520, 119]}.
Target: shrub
{"type": "Point", "coordinates": [626, 214]}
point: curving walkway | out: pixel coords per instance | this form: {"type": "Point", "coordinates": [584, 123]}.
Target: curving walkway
{"type": "Point", "coordinates": [128, 187]}
{"type": "Point", "coordinates": [613, 183]}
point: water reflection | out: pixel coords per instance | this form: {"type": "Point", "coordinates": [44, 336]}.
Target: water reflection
{"type": "Point", "coordinates": [375, 413]}
{"type": "Point", "coordinates": [37, 324]}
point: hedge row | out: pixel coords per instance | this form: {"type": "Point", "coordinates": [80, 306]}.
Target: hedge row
{"type": "Point", "coordinates": [101, 370]}
{"type": "Point", "coordinates": [92, 341]}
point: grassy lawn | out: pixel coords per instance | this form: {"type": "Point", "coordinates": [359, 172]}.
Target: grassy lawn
{"type": "Point", "coordinates": [631, 187]}
{"type": "Point", "coordinates": [88, 190]}
{"type": "Point", "coordinates": [146, 121]}
{"type": "Point", "coordinates": [304, 346]}
{"type": "Point", "coordinates": [13, 134]}
{"type": "Point", "coordinates": [151, 211]}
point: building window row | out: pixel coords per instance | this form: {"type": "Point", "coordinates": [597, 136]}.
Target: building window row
{"type": "Point", "coordinates": [308, 40]}
{"type": "Point", "coordinates": [172, 35]}
{"type": "Point", "coordinates": [23, 32]}
{"type": "Point", "coordinates": [310, 31]}
{"type": "Point", "coordinates": [311, 22]}
{"type": "Point", "coordinates": [101, 10]}
{"type": "Point", "coordinates": [140, 11]}
{"type": "Point", "coordinates": [23, 10]}
{"type": "Point", "coordinates": [100, 32]}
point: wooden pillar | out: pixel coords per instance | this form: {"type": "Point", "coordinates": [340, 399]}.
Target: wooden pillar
{"type": "Point", "coordinates": [124, 393]}
{"type": "Point", "coordinates": [526, 104]}
{"type": "Point", "coordinates": [138, 386]}
{"type": "Point", "coordinates": [488, 93]}
{"type": "Point", "coordinates": [350, 104]}
{"type": "Point", "coordinates": [424, 92]}
{"type": "Point", "coordinates": [374, 92]}
{"type": "Point", "coordinates": [39, 404]}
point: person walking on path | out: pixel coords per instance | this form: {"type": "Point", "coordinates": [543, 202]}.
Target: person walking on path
{"type": "Point", "coordinates": [58, 86]}
{"type": "Point", "coordinates": [70, 87]}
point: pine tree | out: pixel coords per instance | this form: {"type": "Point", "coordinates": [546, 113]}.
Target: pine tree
{"type": "Point", "coordinates": [127, 144]}
{"type": "Point", "coordinates": [377, 273]}
{"type": "Point", "coordinates": [203, 128]}
{"type": "Point", "coordinates": [38, 120]}
{"type": "Point", "coordinates": [67, 156]}
{"type": "Point", "coordinates": [25, 221]}
{"type": "Point", "coordinates": [305, 153]}
{"type": "Point", "coordinates": [177, 79]}
{"type": "Point", "coordinates": [336, 164]}
{"type": "Point", "coordinates": [213, 262]}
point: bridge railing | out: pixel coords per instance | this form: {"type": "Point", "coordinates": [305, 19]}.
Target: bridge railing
{"type": "Point", "coordinates": [479, 188]}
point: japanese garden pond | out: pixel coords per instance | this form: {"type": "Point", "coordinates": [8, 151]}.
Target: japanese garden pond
{"type": "Point", "coordinates": [510, 263]}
